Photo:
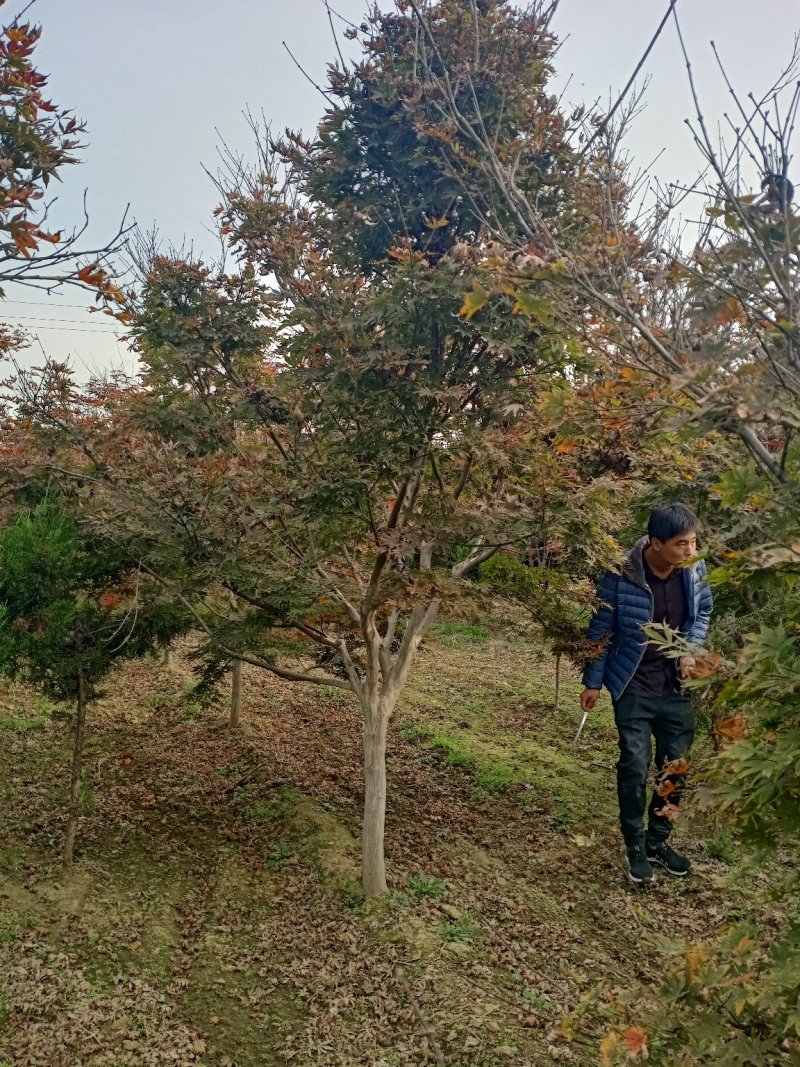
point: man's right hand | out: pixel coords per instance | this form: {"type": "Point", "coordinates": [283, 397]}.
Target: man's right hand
{"type": "Point", "coordinates": [589, 698]}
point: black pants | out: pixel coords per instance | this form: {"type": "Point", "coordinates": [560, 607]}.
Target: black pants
{"type": "Point", "coordinates": [640, 715]}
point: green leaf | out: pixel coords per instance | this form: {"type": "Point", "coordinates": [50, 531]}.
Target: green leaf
{"type": "Point", "coordinates": [535, 307]}
{"type": "Point", "coordinates": [474, 300]}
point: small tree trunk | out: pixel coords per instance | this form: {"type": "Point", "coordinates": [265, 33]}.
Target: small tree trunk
{"type": "Point", "coordinates": [558, 679]}
{"type": "Point", "coordinates": [75, 777]}
{"type": "Point", "coordinates": [166, 660]}
{"type": "Point", "coordinates": [426, 555]}
{"type": "Point", "coordinates": [236, 695]}
{"type": "Point", "coordinates": [376, 719]}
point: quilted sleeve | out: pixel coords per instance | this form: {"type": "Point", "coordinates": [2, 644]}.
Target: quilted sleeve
{"type": "Point", "coordinates": [705, 603]}
{"type": "Point", "coordinates": [601, 625]}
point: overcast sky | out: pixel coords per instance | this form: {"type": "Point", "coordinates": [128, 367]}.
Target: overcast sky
{"type": "Point", "coordinates": [159, 81]}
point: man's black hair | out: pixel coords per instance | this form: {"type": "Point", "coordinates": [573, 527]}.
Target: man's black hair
{"type": "Point", "coordinates": [669, 520]}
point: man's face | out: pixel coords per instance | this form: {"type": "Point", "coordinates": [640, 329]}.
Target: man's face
{"type": "Point", "coordinates": [676, 551]}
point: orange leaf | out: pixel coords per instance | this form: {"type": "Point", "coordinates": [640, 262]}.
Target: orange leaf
{"type": "Point", "coordinates": [704, 666]}
{"type": "Point", "coordinates": [694, 960]}
{"type": "Point", "coordinates": [108, 600]}
{"type": "Point", "coordinates": [24, 240]}
{"type": "Point", "coordinates": [635, 1042]}
{"type": "Point", "coordinates": [731, 728]}
{"type": "Point", "coordinates": [399, 253]}
{"type": "Point", "coordinates": [670, 812]}
{"type": "Point", "coordinates": [732, 311]}
{"type": "Point", "coordinates": [567, 445]}
{"type": "Point", "coordinates": [675, 766]}
{"type": "Point", "coordinates": [92, 274]}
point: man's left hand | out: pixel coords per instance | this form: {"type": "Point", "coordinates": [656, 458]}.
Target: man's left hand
{"type": "Point", "coordinates": [686, 665]}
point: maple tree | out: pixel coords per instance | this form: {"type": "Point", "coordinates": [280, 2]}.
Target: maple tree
{"type": "Point", "coordinates": [39, 140]}
{"type": "Point", "coordinates": [338, 435]}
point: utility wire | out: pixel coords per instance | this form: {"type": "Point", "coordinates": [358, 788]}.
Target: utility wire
{"type": "Point", "coordinates": [45, 303]}
{"type": "Point", "coordinates": [40, 318]}
{"type": "Point", "coordinates": [73, 329]}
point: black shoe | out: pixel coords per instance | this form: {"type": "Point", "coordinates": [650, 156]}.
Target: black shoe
{"type": "Point", "coordinates": [672, 862]}
{"type": "Point", "coordinates": [639, 869]}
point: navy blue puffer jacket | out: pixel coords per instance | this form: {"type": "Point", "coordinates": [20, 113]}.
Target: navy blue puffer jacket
{"type": "Point", "coordinates": [627, 606]}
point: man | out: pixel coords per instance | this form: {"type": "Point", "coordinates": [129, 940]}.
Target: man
{"type": "Point", "coordinates": [658, 584]}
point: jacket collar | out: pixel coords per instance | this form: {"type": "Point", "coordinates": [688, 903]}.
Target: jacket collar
{"type": "Point", "coordinates": [633, 568]}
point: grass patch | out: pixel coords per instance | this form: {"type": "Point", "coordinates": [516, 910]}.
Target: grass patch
{"type": "Point", "coordinates": [423, 885]}
{"type": "Point", "coordinates": [17, 724]}
{"type": "Point", "coordinates": [282, 852]}
{"type": "Point", "coordinates": [190, 712]}
{"type": "Point", "coordinates": [161, 701]}
{"type": "Point", "coordinates": [723, 847]}
{"type": "Point", "coordinates": [542, 767]}
{"type": "Point", "coordinates": [11, 925]}
{"type": "Point", "coordinates": [466, 931]}
{"type": "Point", "coordinates": [495, 778]}
{"type": "Point", "coordinates": [11, 857]}
{"type": "Point", "coordinates": [260, 811]}
{"type": "Point", "coordinates": [352, 895]}
{"type": "Point", "coordinates": [456, 634]}
{"type": "Point", "coordinates": [539, 1002]}
{"type": "Point", "coordinates": [456, 754]}
{"type": "Point", "coordinates": [415, 732]}
{"type": "Point", "coordinates": [217, 879]}
{"type": "Point", "coordinates": [490, 774]}
{"type": "Point", "coordinates": [250, 807]}
{"type": "Point", "coordinates": [231, 770]}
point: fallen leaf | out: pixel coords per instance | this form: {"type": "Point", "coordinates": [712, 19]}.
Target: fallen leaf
{"type": "Point", "coordinates": [582, 841]}
{"type": "Point", "coordinates": [635, 1042]}
{"type": "Point", "coordinates": [608, 1048]}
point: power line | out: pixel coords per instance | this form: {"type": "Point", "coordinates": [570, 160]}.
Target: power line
{"type": "Point", "coordinates": [73, 329]}
{"type": "Point", "coordinates": [45, 303]}
{"type": "Point", "coordinates": [41, 318]}
{"type": "Point", "coordinates": [58, 329]}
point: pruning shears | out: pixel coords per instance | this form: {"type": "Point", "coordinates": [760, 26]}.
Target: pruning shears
{"type": "Point", "coordinates": [577, 737]}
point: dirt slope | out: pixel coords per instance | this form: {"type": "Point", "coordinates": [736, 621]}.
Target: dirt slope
{"type": "Point", "coordinates": [215, 916]}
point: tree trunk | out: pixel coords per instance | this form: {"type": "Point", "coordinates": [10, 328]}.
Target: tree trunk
{"type": "Point", "coordinates": [426, 555]}
{"type": "Point", "coordinates": [378, 694]}
{"type": "Point", "coordinates": [236, 695]}
{"type": "Point", "coordinates": [558, 679]}
{"type": "Point", "coordinates": [75, 777]}
{"type": "Point", "coordinates": [376, 719]}
{"type": "Point", "coordinates": [167, 658]}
